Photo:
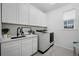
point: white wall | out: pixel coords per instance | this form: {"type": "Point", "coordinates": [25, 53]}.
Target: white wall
{"type": "Point", "coordinates": [55, 23]}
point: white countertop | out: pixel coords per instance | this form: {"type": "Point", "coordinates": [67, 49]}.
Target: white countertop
{"type": "Point", "coordinates": [3, 40]}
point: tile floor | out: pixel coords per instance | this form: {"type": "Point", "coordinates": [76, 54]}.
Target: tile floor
{"type": "Point", "coordinates": [56, 51]}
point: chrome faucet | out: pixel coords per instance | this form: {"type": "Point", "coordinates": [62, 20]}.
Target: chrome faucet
{"type": "Point", "coordinates": [18, 31]}
{"type": "Point", "coordinates": [21, 30]}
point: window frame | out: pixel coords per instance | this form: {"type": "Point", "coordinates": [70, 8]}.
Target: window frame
{"type": "Point", "coordinates": [73, 20]}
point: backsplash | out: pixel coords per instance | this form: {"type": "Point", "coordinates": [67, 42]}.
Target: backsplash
{"type": "Point", "coordinates": [13, 28]}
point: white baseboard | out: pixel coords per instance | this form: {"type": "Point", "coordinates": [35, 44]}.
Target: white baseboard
{"type": "Point", "coordinates": [64, 47]}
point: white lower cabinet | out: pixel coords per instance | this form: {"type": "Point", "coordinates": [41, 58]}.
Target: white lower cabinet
{"type": "Point", "coordinates": [22, 47]}
{"type": "Point", "coordinates": [11, 48]}
{"type": "Point", "coordinates": [34, 43]}
{"type": "Point", "coordinates": [26, 47]}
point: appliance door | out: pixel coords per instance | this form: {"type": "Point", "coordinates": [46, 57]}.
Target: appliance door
{"type": "Point", "coordinates": [44, 41]}
{"type": "Point", "coordinates": [51, 37]}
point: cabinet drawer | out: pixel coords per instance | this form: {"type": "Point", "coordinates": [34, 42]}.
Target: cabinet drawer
{"type": "Point", "coordinates": [10, 44]}
{"type": "Point", "coordinates": [27, 45]}
{"type": "Point", "coordinates": [26, 49]}
{"type": "Point", "coordinates": [9, 49]}
{"type": "Point", "coordinates": [35, 37]}
{"type": "Point", "coordinates": [27, 42]}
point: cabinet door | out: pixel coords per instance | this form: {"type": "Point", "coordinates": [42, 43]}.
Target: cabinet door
{"type": "Point", "coordinates": [23, 14]}
{"type": "Point", "coordinates": [11, 48]}
{"type": "Point", "coordinates": [37, 17]}
{"type": "Point", "coordinates": [33, 16]}
{"type": "Point", "coordinates": [35, 45]}
{"type": "Point", "coordinates": [43, 19]}
{"type": "Point", "coordinates": [26, 47]}
{"type": "Point", "coordinates": [9, 13]}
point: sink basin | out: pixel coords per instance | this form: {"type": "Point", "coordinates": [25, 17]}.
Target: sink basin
{"type": "Point", "coordinates": [17, 37]}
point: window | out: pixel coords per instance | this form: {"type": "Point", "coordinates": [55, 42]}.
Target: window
{"type": "Point", "coordinates": [69, 24]}
{"type": "Point", "coordinates": [69, 17]}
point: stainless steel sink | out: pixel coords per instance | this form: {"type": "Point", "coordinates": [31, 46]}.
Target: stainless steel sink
{"type": "Point", "coordinates": [17, 37]}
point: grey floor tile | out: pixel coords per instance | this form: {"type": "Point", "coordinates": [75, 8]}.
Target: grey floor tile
{"type": "Point", "coordinates": [57, 51]}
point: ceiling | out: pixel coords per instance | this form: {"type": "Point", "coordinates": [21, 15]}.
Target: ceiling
{"type": "Point", "coordinates": [46, 7]}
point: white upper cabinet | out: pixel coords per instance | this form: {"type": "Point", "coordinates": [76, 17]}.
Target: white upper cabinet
{"type": "Point", "coordinates": [9, 13]}
{"type": "Point", "coordinates": [41, 18]}
{"type": "Point", "coordinates": [23, 14]}
{"type": "Point", "coordinates": [15, 13]}
{"type": "Point", "coordinates": [33, 19]}
{"type": "Point", "coordinates": [37, 17]}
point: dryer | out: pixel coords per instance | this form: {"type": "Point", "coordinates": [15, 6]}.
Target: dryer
{"type": "Point", "coordinates": [45, 41]}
